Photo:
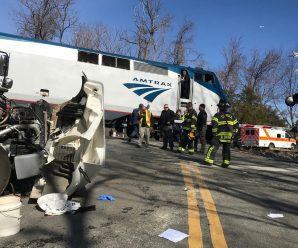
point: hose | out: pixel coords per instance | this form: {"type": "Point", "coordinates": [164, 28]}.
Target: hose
{"type": "Point", "coordinates": [18, 127]}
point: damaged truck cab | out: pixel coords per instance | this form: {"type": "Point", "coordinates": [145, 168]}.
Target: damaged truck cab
{"type": "Point", "coordinates": [74, 151]}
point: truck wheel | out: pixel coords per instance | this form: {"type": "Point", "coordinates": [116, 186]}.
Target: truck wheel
{"type": "Point", "coordinates": [5, 169]}
{"type": "Point", "coordinates": [271, 146]}
{"type": "Point", "coordinates": [293, 147]}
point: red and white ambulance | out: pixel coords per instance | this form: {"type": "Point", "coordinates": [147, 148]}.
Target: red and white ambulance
{"type": "Point", "coordinates": [266, 136]}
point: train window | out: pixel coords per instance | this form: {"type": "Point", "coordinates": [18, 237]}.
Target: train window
{"type": "Point", "coordinates": [252, 132]}
{"type": "Point", "coordinates": [150, 68]}
{"type": "Point", "coordinates": [209, 78]}
{"type": "Point", "coordinates": [108, 61]}
{"type": "Point", "coordinates": [278, 135]}
{"type": "Point", "coordinates": [123, 64]}
{"type": "Point", "coordinates": [88, 57]}
{"type": "Point", "coordinates": [246, 132]}
{"type": "Point", "coordinates": [198, 77]}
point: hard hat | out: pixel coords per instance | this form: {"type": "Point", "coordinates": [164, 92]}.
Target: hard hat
{"type": "Point", "coordinates": [223, 104]}
{"type": "Point", "coordinates": [191, 135]}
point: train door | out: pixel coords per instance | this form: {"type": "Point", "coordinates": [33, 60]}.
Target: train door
{"type": "Point", "coordinates": [185, 92]}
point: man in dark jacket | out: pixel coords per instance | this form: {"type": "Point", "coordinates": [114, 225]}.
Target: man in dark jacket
{"type": "Point", "coordinates": [201, 129]}
{"type": "Point", "coordinates": [177, 127]}
{"type": "Point", "coordinates": [185, 84]}
{"type": "Point", "coordinates": [134, 122]}
{"type": "Point", "coordinates": [166, 122]}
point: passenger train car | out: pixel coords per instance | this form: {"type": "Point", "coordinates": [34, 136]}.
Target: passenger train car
{"type": "Point", "coordinates": [53, 72]}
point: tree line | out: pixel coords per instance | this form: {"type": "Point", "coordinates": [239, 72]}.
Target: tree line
{"type": "Point", "coordinates": [256, 83]}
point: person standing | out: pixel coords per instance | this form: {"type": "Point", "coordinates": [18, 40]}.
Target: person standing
{"type": "Point", "coordinates": [166, 120]}
{"type": "Point", "coordinates": [177, 127]}
{"type": "Point", "coordinates": [201, 129]}
{"type": "Point", "coordinates": [185, 84]}
{"type": "Point", "coordinates": [224, 127]}
{"type": "Point", "coordinates": [144, 117]}
{"type": "Point", "coordinates": [134, 122]}
{"type": "Point", "coordinates": [188, 130]}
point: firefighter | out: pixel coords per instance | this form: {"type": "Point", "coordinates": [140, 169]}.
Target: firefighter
{"type": "Point", "coordinates": [224, 128]}
{"type": "Point", "coordinates": [188, 130]}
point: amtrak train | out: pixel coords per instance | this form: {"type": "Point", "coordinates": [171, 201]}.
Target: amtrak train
{"type": "Point", "coordinates": [52, 71]}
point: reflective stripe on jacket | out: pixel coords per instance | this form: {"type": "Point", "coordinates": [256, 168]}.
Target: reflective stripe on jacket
{"type": "Point", "coordinates": [190, 121]}
{"type": "Point", "coordinates": [224, 126]}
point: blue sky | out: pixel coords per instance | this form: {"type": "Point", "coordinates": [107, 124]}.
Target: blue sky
{"type": "Point", "coordinates": [216, 22]}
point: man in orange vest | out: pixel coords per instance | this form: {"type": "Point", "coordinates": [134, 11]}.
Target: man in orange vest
{"type": "Point", "coordinates": [144, 117]}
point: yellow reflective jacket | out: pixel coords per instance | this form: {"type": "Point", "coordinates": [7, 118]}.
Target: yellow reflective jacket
{"type": "Point", "coordinates": [224, 126]}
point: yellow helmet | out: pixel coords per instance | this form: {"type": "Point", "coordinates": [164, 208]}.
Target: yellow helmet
{"type": "Point", "coordinates": [191, 135]}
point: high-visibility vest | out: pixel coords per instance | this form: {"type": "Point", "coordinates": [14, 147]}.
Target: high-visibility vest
{"type": "Point", "coordinates": [148, 118]}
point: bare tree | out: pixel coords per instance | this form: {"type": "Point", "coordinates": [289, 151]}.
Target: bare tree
{"type": "Point", "coordinates": [261, 75]}
{"type": "Point", "coordinates": [45, 19]}
{"type": "Point", "coordinates": [287, 86]}
{"type": "Point", "coordinates": [184, 38]}
{"type": "Point", "coordinates": [66, 18]}
{"type": "Point", "coordinates": [84, 36]}
{"type": "Point", "coordinates": [230, 74]}
{"type": "Point", "coordinates": [98, 37]}
{"type": "Point", "coordinates": [150, 28]}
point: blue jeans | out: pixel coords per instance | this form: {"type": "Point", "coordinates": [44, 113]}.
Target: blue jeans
{"type": "Point", "coordinates": [135, 131]}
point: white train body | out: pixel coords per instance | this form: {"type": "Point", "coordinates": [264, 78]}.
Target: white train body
{"type": "Point", "coordinates": [53, 71]}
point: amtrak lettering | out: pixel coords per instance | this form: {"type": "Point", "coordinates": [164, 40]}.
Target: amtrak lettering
{"type": "Point", "coordinates": [144, 89]}
{"type": "Point", "coordinates": [150, 81]}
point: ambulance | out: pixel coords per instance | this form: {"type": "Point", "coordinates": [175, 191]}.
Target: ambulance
{"type": "Point", "coordinates": [266, 136]}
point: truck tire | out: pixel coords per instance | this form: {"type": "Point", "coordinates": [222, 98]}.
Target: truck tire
{"type": "Point", "coordinates": [271, 146]}
{"type": "Point", "coordinates": [293, 146]}
{"type": "Point", "coordinates": [5, 169]}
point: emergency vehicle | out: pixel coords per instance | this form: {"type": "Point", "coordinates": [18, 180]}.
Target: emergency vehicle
{"type": "Point", "coordinates": [266, 136]}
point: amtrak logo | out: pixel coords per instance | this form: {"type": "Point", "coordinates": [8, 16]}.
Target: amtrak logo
{"type": "Point", "coordinates": [149, 92]}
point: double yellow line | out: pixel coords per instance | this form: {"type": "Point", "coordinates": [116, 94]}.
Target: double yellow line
{"type": "Point", "coordinates": [195, 238]}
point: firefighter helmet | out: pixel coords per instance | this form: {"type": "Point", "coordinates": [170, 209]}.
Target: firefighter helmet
{"type": "Point", "coordinates": [191, 135]}
{"type": "Point", "coordinates": [223, 104]}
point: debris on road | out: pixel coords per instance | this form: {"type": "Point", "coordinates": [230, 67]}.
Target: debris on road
{"type": "Point", "coordinates": [84, 209]}
{"type": "Point", "coordinates": [186, 189]}
{"type": "Point", "coordinates": [173, 235]}
{"type": "Point", "coordinates": [275, 216]}
{"type": "Point", "coordinates": [106, 198]}
{"type": "Point", "coordinates": [57, 204]}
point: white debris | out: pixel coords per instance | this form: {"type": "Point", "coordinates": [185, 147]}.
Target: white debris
{"type": "Point", "coordinates": [275, 216]}
{"type": "Point", "coordinates": [56, 204]}
{"type": "Point", "coordinates": [173, 235]}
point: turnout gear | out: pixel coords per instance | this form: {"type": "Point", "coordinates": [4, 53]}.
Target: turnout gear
{"type": "Point", "coordinates": [224, 128]}
{"type": "Point", "coordinates": [188, 126]}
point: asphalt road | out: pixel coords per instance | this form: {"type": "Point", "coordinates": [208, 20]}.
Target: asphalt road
{"type": "Point", "coordinates": [156, 190]}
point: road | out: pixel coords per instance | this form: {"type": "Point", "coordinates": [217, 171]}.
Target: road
{"type": "Point", "coordinates": [155, 190]}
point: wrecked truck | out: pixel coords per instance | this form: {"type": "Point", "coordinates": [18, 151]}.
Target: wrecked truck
{"type": "Point", "coordinates": [66, 157]}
